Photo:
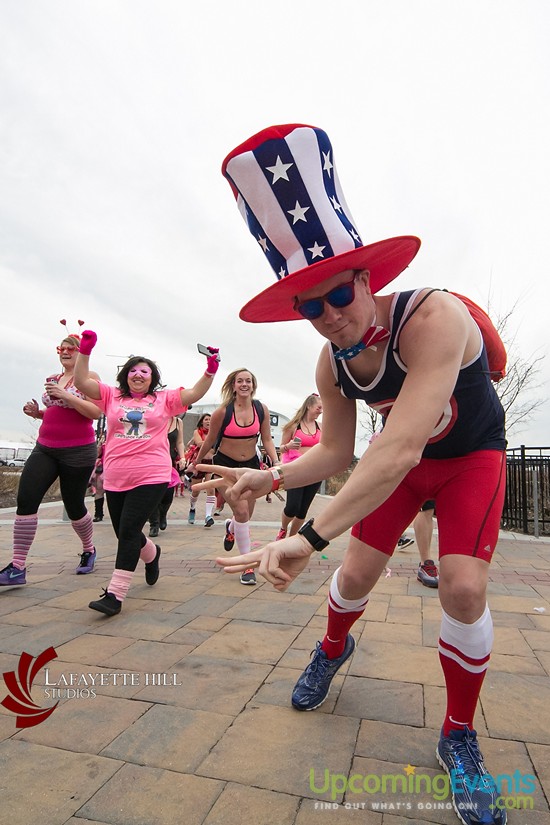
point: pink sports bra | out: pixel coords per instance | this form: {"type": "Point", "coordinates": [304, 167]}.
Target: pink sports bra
{"type": "Point", "coordinates": [309, 440]}
{"type": "Point", "coordinates": [234, 429]}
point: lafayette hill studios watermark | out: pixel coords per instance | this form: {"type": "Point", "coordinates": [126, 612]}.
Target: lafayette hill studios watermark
{"type": "Point", "coordinates": [33, 687]}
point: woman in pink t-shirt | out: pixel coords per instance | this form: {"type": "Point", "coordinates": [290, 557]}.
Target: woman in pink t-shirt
{"type": "Point", "coordinates": [65, 450]}
{"type": "Point", "coordinates": [137, 467]}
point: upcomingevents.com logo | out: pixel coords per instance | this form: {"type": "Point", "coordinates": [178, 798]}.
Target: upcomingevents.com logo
{"type": "Point", "coordinates": [19, 684]}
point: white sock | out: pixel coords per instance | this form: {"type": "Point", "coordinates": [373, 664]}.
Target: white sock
{"type": "Point", "coordinates": [341, 605]}
{"type": "Point", "coordinates": [241, 531]}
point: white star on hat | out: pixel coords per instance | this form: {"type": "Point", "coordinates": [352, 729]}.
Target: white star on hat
{"type": "Point", "coordinates": [279, 170]}
{"type": "Point", "coordinates": [298, 213]}
{"type": "Point", "coordinates": [316, 250]}
{"type": "Point", "coordinates": [327, 165]}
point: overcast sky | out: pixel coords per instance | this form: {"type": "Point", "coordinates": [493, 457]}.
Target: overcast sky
{"type": "Point", "coordinates": [116, 116]}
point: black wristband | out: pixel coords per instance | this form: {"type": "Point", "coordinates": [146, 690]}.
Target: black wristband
{"type": "Point", "coordinates": [310, 535]}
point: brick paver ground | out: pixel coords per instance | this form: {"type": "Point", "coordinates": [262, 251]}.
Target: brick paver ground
{"type": "Point", "coordinates": [179, 709]}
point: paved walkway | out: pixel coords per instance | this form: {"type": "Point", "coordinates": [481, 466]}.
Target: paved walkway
{"type": "Point", "coordinates": [192, 724]}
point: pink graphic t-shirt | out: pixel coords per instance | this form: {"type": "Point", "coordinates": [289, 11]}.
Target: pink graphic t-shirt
{"type": "Point", "coordinates": [137, 450]}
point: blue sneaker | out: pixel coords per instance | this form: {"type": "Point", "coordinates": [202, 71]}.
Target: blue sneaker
{"type": "Point", "coordinates": [11, 575]}
{"type": "Point", "coordinates": [313, 686]}
{"type": "Point", "coordinates": [87, 561]}
{"type": "Point", "coordinates": [474, 791]}
{"type": "Point", "coordinates": [191, 517]}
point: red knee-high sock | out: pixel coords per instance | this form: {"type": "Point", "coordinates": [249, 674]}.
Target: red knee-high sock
{"type": "Point", "coordinates": [342, 614]}
{"type": "Point", "coordinates": [24, 531]}
{"type": "Point", "coordinates": [84, 529]}
{"type": "Point", "coordinates": [464, 653]}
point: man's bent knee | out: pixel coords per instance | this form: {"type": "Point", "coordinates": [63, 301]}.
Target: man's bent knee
{"type": "Point", "coordinates": [360, 570]}
{"type": "Point", "coordinates": [463, 587]}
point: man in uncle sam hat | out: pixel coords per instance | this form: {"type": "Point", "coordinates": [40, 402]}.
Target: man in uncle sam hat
{"type": "Point", "coordinates": [418, 358]}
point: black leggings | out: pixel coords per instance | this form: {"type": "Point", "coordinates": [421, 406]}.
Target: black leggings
{"type": "Point", "coordinates": [161, 511]}
{"type": "Point", "coordinates": [298, 501]}
{"type": "Point", "coordinates": [129, 511]}
{"type": "Point", "coordinates": [44, 466]}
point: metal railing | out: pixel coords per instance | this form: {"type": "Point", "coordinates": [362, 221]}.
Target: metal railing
{"type": "Point", "coordinates": [527, 502]}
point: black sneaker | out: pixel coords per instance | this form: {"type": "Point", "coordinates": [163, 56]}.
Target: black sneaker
{"type": "Point", "coordinates": [229, 538]}
{"type": "Point", "coordinates": [209, 521]}
{"type": "Point", "coordinates": [403, 542]}
{"type": "Point", "coordinates": [473, 789]}
{"type": "Point", "coordinates": [108, 604]}
{"type": "Point", "coordinates": [153, 531]}
{"type": "Point", "coordinates": [313, 686]}
{"type": "Point", "coordinates": [163, 524]}
{"type": "Point", "coordinates": [248, 577]}
{"type": "Point", "coordinates": [152, 568]}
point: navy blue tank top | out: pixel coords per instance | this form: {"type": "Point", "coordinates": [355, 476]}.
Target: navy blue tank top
{"type": "Point", "coordinates": [473, 418]}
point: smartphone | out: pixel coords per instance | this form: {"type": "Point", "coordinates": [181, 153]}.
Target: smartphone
{"type": "Point", "coordinates": [297, 441]}
{"type": "Point", "coordinates": [204, 350]}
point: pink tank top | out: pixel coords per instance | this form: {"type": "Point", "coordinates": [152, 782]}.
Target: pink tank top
{"type": "Point", "coordinates": [309, 440]}
{"type": "Point", "coordinates": [63, 426]}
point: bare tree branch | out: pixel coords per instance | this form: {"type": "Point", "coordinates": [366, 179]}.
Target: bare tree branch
{"type": "Point", "coordinates": [369, 421]}
{"type": "Point", "coordinates": [522, 377]}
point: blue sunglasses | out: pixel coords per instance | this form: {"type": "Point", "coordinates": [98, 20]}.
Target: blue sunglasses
{"type": "Point", "coordinates": [341, 296]}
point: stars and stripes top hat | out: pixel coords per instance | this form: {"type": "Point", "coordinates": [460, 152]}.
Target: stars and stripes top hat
{"type": "Point", "coordinates": [288, 192]}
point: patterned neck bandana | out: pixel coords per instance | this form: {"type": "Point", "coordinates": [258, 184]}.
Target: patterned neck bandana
{"type": "Point", "coordinates": [374, 335]}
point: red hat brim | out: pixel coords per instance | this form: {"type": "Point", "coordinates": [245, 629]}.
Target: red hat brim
{"type": "Point", "coordinates": [385, 260]}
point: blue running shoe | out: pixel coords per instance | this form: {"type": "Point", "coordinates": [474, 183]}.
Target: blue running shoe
{"type": "Point", "coordinates": [474, 791]}
{"type": "Point", "coordinates": [87, 561]}
{"type": "Point", "coordinates": [313, 686]}
{"type": "Point", "coordinates": [11, 575]}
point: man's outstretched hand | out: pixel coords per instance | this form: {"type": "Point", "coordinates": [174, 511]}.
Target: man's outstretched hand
{"type": "Point", "coordinates": [279, 562]}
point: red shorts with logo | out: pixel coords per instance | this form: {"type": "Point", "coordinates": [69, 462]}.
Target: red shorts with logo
{"type": "Point", "coordinates": [469, 495]}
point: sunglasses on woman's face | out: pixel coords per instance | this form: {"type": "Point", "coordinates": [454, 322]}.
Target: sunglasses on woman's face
{"type": "Point", "coordinates": [68, 350]}
{"type": "Point", "coordinates": [341, 296]}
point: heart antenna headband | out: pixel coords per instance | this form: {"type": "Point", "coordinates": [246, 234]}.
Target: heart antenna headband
{"type": "Point", "coordinates": [63, 322]}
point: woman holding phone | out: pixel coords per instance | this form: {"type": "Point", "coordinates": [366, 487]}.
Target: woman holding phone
{"type": "Point", "coordinates": [300, 435]}
{"type": "Point", "coordinates": [137, 466]}
{"type": "Point", "coordinates": [65, 450]}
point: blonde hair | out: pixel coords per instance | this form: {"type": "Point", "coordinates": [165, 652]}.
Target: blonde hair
{"type": "Point", "coordinates": [72, 340]}
{"type": "Point", "coordinates": [299, 414]}
{"type": "Point", "coordinates": [228, 390]}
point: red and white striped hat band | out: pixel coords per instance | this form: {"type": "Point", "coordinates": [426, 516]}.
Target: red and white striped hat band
{"type": "Point", "coordinates": [288, 192]}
